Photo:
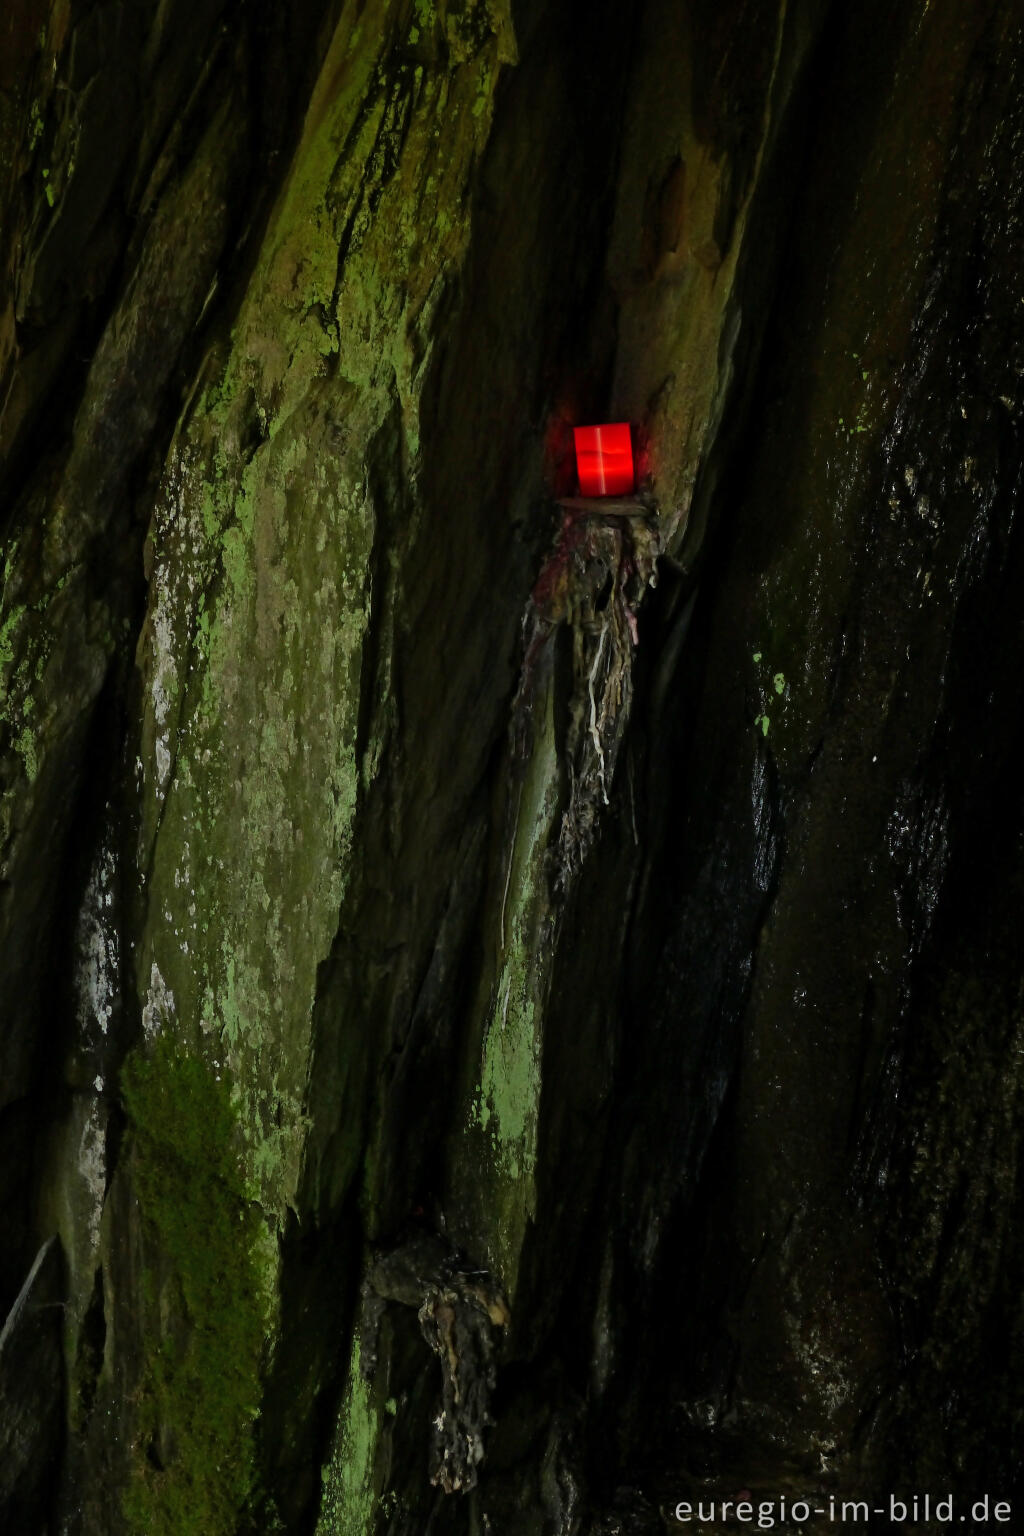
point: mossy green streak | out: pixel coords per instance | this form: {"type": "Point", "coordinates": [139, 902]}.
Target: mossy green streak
{"type": "Point", "coordinates": [205, 1289]}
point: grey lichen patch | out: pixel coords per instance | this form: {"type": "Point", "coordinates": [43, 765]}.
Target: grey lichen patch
{"type": "Point", "coordinates": [158, 1004]}
{"type": "Point", "coordinates": [73, 1186]}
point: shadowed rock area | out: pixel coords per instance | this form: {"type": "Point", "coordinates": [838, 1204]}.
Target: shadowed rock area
{"type": "Point", "coordinates": [511, 1012]}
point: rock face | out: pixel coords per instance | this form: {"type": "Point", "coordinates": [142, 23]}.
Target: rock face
{"type": "Point", "coordinates": [31, 1401]}
{"type": "Point", "coordinates": [510, 1018]}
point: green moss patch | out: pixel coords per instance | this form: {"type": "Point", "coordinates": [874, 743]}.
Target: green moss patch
{"type": "Point", "coordinates": [349, 1501]}
{"type": "Point", "coordinates": [205, 1312]}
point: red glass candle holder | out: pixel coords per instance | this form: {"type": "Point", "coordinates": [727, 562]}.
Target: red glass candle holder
{"type": "Point", "coordinates": [604, 459]}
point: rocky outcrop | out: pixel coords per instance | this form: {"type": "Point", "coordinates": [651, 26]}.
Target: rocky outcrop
{"type": "Point", "coordinates": [31, 1401]}
{"type": "Point", "coordinates": [571, 947]}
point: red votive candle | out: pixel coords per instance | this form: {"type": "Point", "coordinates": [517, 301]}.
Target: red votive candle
{"type": "Point", "coordinates": [604, 459]}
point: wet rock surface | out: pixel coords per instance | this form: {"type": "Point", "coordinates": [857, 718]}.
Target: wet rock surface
{"type": "Point", "coordinates": [510, 1013]}
{"type": "Point", "coordinates": [457, 1307]}
{"type": "Point", "coordinates": [31, 1389]}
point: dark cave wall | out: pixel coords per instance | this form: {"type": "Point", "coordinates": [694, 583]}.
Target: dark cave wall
{"type": "Point", "coordinates": [365, 884]}
{"type": "Point", "coordinates": [840, 894]}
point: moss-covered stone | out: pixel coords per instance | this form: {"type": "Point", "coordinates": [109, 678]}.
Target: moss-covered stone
{"type": "Point", "coordinates": [351, 1482]}
{"type": "Point", "coordinates": [261, 553]}
{"type": "Point", "coordinates": [206, 1299]}
{"type": "Point", "coordinates": [494, 1155]}
{"type": "Point", "coordinates": [377, 986]}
